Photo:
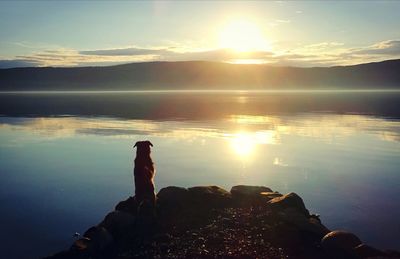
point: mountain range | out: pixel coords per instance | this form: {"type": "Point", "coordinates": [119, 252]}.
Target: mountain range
{"type": "Point", "coordinates": [201, 75]}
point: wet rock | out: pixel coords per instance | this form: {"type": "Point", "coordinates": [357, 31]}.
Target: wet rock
{"type": "Point", "coordinates": [129, 205]}
{"type": "Point", "coordinates": [118, 223]}
{"type": "Point", "coordinates": [340, 244]}
{"type": "Point", "coordinates": [290, 200]}
{"type": "Point", "coordinates": [100, 238]}
{"type": "Point", "coordinates": [366, 251]}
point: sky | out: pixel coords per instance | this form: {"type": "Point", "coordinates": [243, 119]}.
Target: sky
{"type": "Point", "coordinates": [283, 33]}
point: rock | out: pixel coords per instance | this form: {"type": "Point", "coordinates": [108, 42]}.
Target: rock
{"type": "Point", "coordinates": [173, 194]}
{"type": "Point", "coordinates": [245, 195]}
{"type": "Point", "coordinates": [172, 200]}
{"type": "Point", "coordinates": [206, 222]}
{"type": "Point", "coordinates": [118, 223]}
{"type": "Point", "coordinates": [129, 205]}
{"type": "Point", "coordinates": [290, 200]}
{"type": "Point", "coordinates": [100, 238]}
{"type": "Point", "coordinates": [317, 227]}
{"type": "Point", "coordinates": [366, 251]}
{"type": "Point", "coordinates": [239, 191]}
{"type": "Point", "coordinates": [68, 254]}
{"type": "Point", "coordinates": [162, 238]}
{"type": "Point", "coordinates": [208, 191]}
{"type": "Point", "coordinates": [303, 223]}
{"type": "Point", "coordinates": [340, 244]}
{"type": "Point", "coordinates": [392, 253]}
{"type": "Point", "coordinates": [209, 197]}
{"type": "Point", "coordinates": [82, 244]}
{"type": "Point", "coordinates": [271, 195]}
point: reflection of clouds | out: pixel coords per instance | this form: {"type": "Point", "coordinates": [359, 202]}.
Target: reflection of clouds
{"type": "Point", "coordinates": [69, 126]}
{"type": "Point", "coordinates": [324, 127]}
{"type": "Point", "coordinates": [389, 136]}
{"type": "Point", "coordinates": [256, 129]}
{"type": "Point", "coordinates": [331, 127]}
{"type": "Point", "coordinates": [250, 119]}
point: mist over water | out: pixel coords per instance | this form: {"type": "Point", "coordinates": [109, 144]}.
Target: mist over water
{"type": "Point", "coordinates": [67, 159]}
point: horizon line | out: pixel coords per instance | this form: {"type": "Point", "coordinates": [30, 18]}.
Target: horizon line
{"type": "Point", "coordinates": [206, 61]}
{"type": "Point", "coordinates": [201, 91]}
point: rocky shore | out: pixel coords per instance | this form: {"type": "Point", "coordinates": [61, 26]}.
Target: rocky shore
{"type": "Point", "coordinates": [210, 222]}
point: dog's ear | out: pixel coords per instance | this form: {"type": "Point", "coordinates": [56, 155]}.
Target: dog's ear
{"type": "Point", "coordinates": [148, 142]}
{"type": "Point", "coordinates": [135, 144]}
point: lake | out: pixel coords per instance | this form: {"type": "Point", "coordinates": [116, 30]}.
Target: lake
{"type": "Point", "coordinates": [66, 159]}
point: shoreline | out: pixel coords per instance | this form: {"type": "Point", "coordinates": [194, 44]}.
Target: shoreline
{"type": "Point", "coordinates": [210, 222]}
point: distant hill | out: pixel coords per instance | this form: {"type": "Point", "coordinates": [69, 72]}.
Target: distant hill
{"type": "Point", "coordinates": [201, 75]}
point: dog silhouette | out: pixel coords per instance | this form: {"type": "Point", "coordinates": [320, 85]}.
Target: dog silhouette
{"type": "Point", "coordinates": [144, 172]}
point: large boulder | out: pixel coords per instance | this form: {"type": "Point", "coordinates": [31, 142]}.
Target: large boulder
{"type": "Point", "coordinates": [129, 205]}
{"type": "Point", "coordinates": [209, 194]}
{"type": "Point", "coordinates": [246, 195]}
{"type": "Point", "coordinates": [290, 200]}
{"type": "Point", "coordinates": [209, 197]}
{"type": "Point", "coordinates": [173, 194]}
{"type": "Point", "coordinates": [340, 244]}
{"type": "Point", "coordinates": [303, 223]}
{"type": "Point", "coordinates": [118, 223]}
{"type": "Point", "coordinates": [171, 200]}
{"type": "Point", "coordinates": [270, 195]}
{"type": "Point", "coordinates": [239, 191]}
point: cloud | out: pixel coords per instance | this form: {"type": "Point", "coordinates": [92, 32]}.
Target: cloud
{"type": "Point", "coordinates": [316, 54]}
{"type": "Point", "coordinates": [125, 52]}
{"type": "Point", "coordinates": [283, 21]}
{"type": "Point", "coordinates": [278, 22]}
{"type": "Point", "coordinates": [389, 47]}
{"type": "Point", "coordinates": [225, 55]}
{"type": "Point", "coordinates": [171, 55]}
{"type": "Point", "coordinates": [336, 53]}
{"type": "Point", "coordinates": [71, 57]}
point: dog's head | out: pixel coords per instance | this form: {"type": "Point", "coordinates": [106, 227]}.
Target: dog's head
{"type": "Point", "coordinates": [143, 147]}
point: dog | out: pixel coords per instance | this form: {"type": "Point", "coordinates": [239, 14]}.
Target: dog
{"type": "Point", "coordinates": [144, 173]}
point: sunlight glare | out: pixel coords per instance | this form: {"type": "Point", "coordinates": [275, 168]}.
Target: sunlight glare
{"type": "Point", "coordinates": [243, 36]}
{"type": "Point", "coordinates": [243, 144]}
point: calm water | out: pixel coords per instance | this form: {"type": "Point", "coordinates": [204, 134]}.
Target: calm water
{"type": "Point", "coordinates": [66, 160]}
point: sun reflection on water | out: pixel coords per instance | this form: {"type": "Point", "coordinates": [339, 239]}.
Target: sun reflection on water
{"type": "Point", "coordinates": [245, 143]}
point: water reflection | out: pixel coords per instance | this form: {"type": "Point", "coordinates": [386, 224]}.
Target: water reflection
{"type": "Point", "coordinates": [243, 144]}
{"type": "Point", "coordinates": [243, 131]}
{"type": "Point", "coordinates": [334, 161]}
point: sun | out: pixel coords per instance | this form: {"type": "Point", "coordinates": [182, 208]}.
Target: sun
{"type": "Point", "coordinates": [242, 36]}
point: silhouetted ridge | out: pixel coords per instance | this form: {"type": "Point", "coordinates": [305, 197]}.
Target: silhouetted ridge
{"type": "Point", "coordinates": [201, 75]}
